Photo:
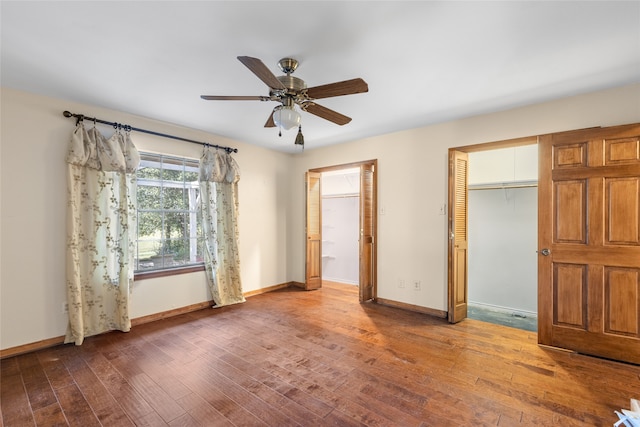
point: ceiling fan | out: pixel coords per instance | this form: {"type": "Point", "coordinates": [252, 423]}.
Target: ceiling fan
{"type": "Point", "coordinates": [290, 91]}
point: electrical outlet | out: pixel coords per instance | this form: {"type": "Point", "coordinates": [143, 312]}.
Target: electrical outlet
{"type": "Point", "coordinates": [65, 307]}
{"type": "Point", "coordinates": [416, 285]}
{"type": "Point", "coordinates": [401, 283]}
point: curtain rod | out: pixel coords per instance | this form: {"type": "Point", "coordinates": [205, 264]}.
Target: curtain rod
{"type": "Point", "coordinates": [116, 125]}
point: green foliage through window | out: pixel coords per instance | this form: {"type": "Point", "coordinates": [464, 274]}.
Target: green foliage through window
{"type": "Point", "coordinates": [169, 225]}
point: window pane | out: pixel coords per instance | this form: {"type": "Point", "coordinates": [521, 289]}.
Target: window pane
{"type": "Point", "coordinates": [149, 225]}
{"type": "Point", "coordinates": [191, 176]}
{"type": "Point", "coordinates": [148, 197]}
{"type": "Point", "coordinates": [175, 198]}
{"type": "Point", "coordinates": [149, 168]}
{"type": "Point", "coordinates": [174, 225]}
{"type": "Point", "coordinates": [173, 170]}
{"type": "Point", "coordinates": [181, 251]}
{"type": "Point", "coordinates": [163, 256]}
{"type": "Point", "coordinates": [168, 215]}
{"type": "Point", "coordinates": [147, 249]}
{"type": "Point", "coordinates": [200, 254]}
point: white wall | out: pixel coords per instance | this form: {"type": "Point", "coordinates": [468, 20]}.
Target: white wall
{"type": "Point", "coordinates": [412, 183]}
{"type": "Point", "coordinates": [504, 165]}
{"type": "Point", "coordinates": [503, 237]}
{"type": "Point", "coordinates": [34, 138]}
{"type": "Point", "coordinates": [340, 233]}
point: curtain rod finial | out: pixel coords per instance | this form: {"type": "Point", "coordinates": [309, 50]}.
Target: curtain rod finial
{"type": "Point", "coordinates": [67, 114]}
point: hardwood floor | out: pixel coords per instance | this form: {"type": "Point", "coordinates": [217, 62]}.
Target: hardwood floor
{"type": "Point", "coordinates": [315, 358]}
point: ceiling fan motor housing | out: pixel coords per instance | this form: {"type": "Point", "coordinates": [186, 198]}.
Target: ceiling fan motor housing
{"type": "Point", "coordinates": [293, 84]}
{"type": "Point", "coordinates": [294, 92]}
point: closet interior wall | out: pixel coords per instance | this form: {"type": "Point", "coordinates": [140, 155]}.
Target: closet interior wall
{"type": "Point", "coordinates": [340, 225]}
{"type": "Point", "coordinates": [503, 207]}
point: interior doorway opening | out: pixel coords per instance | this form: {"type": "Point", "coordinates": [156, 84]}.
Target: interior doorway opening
{"type": "Point", "coordinates": [348, 185]}
{"type": "Point", "coordinates": [502, 214]}
{"type": "Point", "coordinates": [340, 193]}
{"type": "Point", "coordinates": [507, 165]}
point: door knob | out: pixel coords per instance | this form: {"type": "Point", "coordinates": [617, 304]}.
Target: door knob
{"type": "Point", "coordinates": [545, 252]}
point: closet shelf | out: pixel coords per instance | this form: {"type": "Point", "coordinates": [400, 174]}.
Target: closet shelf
{"type": "Point", "coordinates": [503, 185]}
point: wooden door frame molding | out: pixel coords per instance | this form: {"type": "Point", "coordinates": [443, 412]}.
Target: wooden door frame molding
{"type": "Point", "coordinates": [358, 164]}
{"type": "Point", "coordinates": [345, 166]}
{"type": "Point", "coordinates": [508, 143]}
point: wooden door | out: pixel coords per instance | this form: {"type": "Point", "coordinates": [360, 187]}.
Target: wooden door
{"type": "Point", "coordinates": [589, 242]}
{"type": "Point", "coordinates": [458, 239]}
{"type": "Point", "coordinates": [367, 232]}
{"type": "Point", "coordinates": [313, 268]}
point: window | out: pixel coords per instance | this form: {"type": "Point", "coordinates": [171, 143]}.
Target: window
{"type": "Point", "coordinates": [169, 230]}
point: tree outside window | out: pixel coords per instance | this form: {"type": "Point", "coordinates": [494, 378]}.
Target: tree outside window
{"type": "Point", "coordinates": [169, 230]}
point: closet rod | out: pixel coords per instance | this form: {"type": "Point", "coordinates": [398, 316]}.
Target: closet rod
{"type": "Point", "coordinates": [116, 125]}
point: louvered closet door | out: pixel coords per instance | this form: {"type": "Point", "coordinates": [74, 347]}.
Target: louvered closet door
{"type": "Point", "coordinates": [589, 238]}
{"type": "Point", "coordinates": [458, 239]}
{"type": "Point", "coordinates": [367, 232]}
{"type": "Point", "coordinates": [313, 267]}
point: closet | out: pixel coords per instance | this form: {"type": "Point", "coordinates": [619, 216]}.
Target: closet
{"type": "Point", "coordinates": [340, 192]}
{"type": "Point", "coordinates": [503, 232]}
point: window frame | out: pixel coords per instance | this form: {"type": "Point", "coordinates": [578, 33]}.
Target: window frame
{"type": "Point", "coordinates": [165, 270]}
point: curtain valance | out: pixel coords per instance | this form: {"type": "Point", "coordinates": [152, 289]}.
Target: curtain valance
{"type": "Point", "coordinates": [218, 166]}
{"type": "Point", "coordinates": [92, 150]}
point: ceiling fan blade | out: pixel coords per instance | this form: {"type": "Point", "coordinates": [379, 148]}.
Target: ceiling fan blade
{"type": "Point", "coordinates": [347, 87]}
{"type": "Point", "coordinates": [258, 68]}
{"type": "Point", "coordinates": [327, 114]}
{"type": "Point", "coordinates": [234, 98]}
{"type": "Point", "coordinates": [270, 123]}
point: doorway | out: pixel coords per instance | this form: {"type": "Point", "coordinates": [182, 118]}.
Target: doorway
{"type": "Point", "coordinates": [458, 250]}
{"type": "Point", "coordinates": [319, 247]}
{"type": "Point", "coordinates": [502, 196]}
{"type": "Point", "coordinates": [340, 193]}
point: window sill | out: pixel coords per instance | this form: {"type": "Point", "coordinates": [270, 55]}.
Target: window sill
{"type": "Point", "coordinates": [142, 275]}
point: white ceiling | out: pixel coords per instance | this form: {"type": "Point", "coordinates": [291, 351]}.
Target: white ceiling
{"type": "Point", "coordinates": [424, 61]}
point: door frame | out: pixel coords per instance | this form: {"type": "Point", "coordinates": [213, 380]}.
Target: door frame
{"type": "Point", "coordinates": [374, 196]}
{"type": "Point", "coordinates": [451, 191]}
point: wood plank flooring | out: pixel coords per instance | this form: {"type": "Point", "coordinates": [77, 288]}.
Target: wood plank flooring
{"type": "Point", "coordinates": [318, 358]}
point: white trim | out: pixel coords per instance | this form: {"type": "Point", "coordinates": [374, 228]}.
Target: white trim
{"type": "Point", "coordinates": [506, 310]}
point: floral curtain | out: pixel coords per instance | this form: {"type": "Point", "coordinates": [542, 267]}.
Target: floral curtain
{"type": "Point", "coordinates": [101, 227]}
{"type": "Point", "coordinates": [219, 176]}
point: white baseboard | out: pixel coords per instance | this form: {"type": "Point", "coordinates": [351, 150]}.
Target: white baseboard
{"type": "Point", "coordinates": [506, 310]}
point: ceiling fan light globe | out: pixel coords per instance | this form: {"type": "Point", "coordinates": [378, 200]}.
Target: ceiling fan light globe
{"type": "Point", "coordinates": [286, 117]}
